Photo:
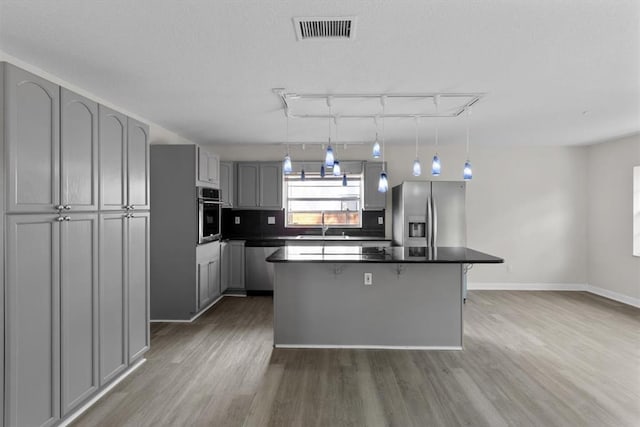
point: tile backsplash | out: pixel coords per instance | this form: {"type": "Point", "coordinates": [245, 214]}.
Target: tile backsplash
{"type": "Point", "coordinates": [263, 223]}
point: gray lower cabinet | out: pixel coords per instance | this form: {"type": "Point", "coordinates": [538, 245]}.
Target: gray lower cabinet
{"type": "Point", "coordinates": [32, 115]}
{"type": "Point", "coordinates": [259, 185]}
{"type": "Point", "coordinates": [32, 339]}
{"type": "Point", "coordinates": [113, 296]}
{"type": "Point", "coordinates": [236, 264]}
{"type": "Point", "coordinates": [225, 266]}
{"type": "Point", "coordinates": [373, 199]}
{"type": "Point", "coordinates": [208, 274]}
{"type": "Point", "coordinates": [138, 284]}
{"type": "Point", "coordinates": [78, 309]}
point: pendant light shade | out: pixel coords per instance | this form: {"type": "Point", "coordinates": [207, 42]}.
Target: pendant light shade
{"type": "Point", "coordinates": [336, 168]}
{"type": "Point", "coordinates": [376, 148]}
{"type": "Point", "coordinates": [435, 165]}
{"type": "Point", "coordinates": [467, 173]}
{"type": "Point", "coordinates": [344, 180]}
{"type": "Point", "coordinates": [302, 175]}
{"type": "Point", "coordinates": [328, 159]}
{"type": "Point", "coordinates": [286, 165]}
{"type": "Point", "coordinates": [383, 184]}
{"type": "Point", "coordinates": [417, 169]}
{"type": "Point", "coordinates": [322, 171]}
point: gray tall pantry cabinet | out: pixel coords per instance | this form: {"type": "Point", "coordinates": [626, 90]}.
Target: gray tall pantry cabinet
{"type": "Point", "coordinates": [76, 267]}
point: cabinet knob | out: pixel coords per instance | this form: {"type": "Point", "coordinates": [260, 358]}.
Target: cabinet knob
{"type": "Point", "coordinates": [60, 219]}
{"type": "Point", "coordinates": [132, 207]}
{"type": "Point", "coordinates": [59, 207]}
{"type": "Point", "coordinates": [67, 218]}
{"type": "Point", "coordinates": [67, 207]}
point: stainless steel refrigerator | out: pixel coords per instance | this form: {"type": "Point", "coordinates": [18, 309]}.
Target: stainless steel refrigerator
{"type": "Point", "coordinates": [431, 214]}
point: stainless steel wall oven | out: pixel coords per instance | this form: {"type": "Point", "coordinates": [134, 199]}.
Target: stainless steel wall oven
{"type": "Point", "coordinates": [209, 206]}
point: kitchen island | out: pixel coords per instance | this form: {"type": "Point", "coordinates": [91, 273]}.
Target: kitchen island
{"type": "Point", "coordinates": [414, 300]}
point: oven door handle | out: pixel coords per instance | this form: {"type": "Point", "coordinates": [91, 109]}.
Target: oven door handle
{"type": "Point", "coordinates": [209, 202]}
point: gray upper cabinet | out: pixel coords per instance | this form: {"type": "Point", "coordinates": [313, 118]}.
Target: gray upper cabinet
{"type": "Point", "coordinates": [271, 185]}
{"type": "Point", "coordinates": [32, 360]}
{"type": "Point", "coordinates": [78, 152]}
{"type": "Point", "coordinates": [247, 187]}
{"type": "Point", "coordinates": [124, 161]}
{"type": "Point", "coordinates": [113, 295]}
{"type": "Point", "coordinates": [208, 168]}
{"type": "Point", "coordinates": [138, 284]}
{"type": "Point", "coordinates": [226, 183]}
{"type": "Point", "coordinates": [137, 164]}
{"type": "Point", "coordinates": [259, 185]}
{"type": "Point", "coordinates": [373, 199]}
{"type": "Point", "coordinates": [32, 112]}
{"type": "Point", "coordinates": [78, 309]}
{"type": "Point", "coordinates": [113, 157]}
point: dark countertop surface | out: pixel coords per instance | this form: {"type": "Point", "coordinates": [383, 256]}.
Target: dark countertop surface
{"type": "Point", "coordinates": [396, 254]}
{"type": "Point", "coordinates": [281, 240]}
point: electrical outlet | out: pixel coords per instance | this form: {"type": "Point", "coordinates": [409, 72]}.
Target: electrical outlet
{"type": "Point", "coordinates": [368, 278]}
{"type": "Point", "coordinates": [380, 220]}
{"type": "Point", "coordinates": [236, 220]}
{"type": "Point", "coordinates": [271, 220]}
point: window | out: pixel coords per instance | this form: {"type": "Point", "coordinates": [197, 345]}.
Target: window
{"type": "Point", "coordinates": [306, 201]}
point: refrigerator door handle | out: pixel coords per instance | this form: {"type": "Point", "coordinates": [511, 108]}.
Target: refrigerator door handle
{"type": "Point", "coordinates": [434, 208]}
{"type": "Point", "coordinates": [429, 223]}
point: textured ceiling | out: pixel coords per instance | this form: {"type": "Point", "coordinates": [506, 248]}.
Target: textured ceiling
{"type": "Point", "coordinates": [206, 69]}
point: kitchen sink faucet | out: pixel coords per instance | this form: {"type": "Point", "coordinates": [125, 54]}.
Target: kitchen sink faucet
{"type": "Point", "coordinates": [325, 227]}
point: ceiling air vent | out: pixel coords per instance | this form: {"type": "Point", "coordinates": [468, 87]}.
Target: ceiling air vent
{"type": "Point", "coordinates": [340, 28]}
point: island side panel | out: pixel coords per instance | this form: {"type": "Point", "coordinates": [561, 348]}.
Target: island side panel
{"type": "Point", "coordinates": [315, 306]}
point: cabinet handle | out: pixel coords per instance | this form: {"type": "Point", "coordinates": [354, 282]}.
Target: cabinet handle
{"type": "Point", "coordinates": [132, 207]}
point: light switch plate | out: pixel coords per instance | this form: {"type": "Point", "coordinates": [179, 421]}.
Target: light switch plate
{"type": "Point", "coordinates": [368, 279]}
{"type": "Point", "coordinates": [236, 220]}
{"type": "Point", "coordinates": [380, 220]}
{"type": "Point", "coordinates": [271, 220]}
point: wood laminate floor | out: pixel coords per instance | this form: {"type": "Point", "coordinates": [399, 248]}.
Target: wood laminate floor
{"type": "Point", "coordinates": [530, 359]}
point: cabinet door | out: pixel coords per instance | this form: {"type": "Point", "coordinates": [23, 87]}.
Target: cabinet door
{"type": "Point", "coordinates": [78, 152]}
{"type": "Point", "coordinates": [248, 176]}
{"type": "Point", "coordinates": [137, 164]}
{"type": "Point", "coordinates": [78, 309]}
{"type": "Point", "coordinates": [225, 263]}
{"type": "Point", "coordinates": [203, 165]}
{"type": "Point", "coordinates": [226, 183]}
{"type": "Point", "coordinates": [214, 279]}
{"type": "Point", "coordinates": [213, 168]}
{"type": "Point", "coordinates": [271, 185]}
{"type": "Point", "coordinates": [237, 265]}
{"type": "Point", "coordinates": [203, 285]}
{"type": "Point", "coordinates": [138, 284]}
{"type": "Point", "coordinates": [32, 144]}
{"type": "Point", "coordinates": [113, 153]}
{"type": "Point", "coordinates": [32, 360]}
{"type": "Point", "coordinates": [373, 199]}
{"type": "Point", "coordinates": [113, 296]}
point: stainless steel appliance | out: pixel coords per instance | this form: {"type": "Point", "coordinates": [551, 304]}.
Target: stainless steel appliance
{"type": "Point", "coordinates": [209, 206]}
{"type": "Point", "coordinates": [260, 274]}
{"type": "Point", "coordinates": [429, 213]}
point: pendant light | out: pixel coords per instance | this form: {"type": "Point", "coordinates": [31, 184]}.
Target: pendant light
{"type": "Point", "coordinates": [302, 175]}
{"type": "Point", "coordinates": [336, 162]}
{"type": "Point", "coordinates": [328, 158]}
{"type": "Point", "coordinates": [467, 172]}
{"type": "Point", "coordinates": [286, 164]}
{"type": "Point", "coordinates": [435, 164]}
{"type": "Point", "coordinates": [383, 182]}
{"type": "Point", "coordinates": [376, 144]}
{"type": "Point", "coordinates": [417, 168]}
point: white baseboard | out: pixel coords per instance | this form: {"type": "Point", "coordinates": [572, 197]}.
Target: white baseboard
{"type": "Point", "coordinates": [369, 347]}
{"type": "Point", "coordinates": [625, 299]}
{"type": "Point", "coordinates": [506, 286]}
{"type": "Point", "coordinates": [99, 396]}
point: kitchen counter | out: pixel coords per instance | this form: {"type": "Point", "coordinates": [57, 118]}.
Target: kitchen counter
{"type": "Point", "coordinates": [364, 297]}
{"type": "Point", "coordinates": [398, 254]}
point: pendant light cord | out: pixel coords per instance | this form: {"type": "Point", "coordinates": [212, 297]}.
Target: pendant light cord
{"type": "Point", "coordinates": [468, 114]}
{"type": "Point", "coordinates": [436, 101]}
{"type": "Point", "coordinates": [383, 100]}
{"type": "Point", "coordinates": [416, 123]}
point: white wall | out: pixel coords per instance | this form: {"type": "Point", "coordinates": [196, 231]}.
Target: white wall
{"type": "Point", "coordinates": [612, 267]}
{"type": "Point", "coordinates": [157, 134]}
{"type": "Point", "coordinates": [526, 205]}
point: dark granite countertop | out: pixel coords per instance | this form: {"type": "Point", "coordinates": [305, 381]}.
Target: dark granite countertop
{"type": "Point", "coordinates": [397, 254]}
{"type": "Point", "coordinates": [280, 240]}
